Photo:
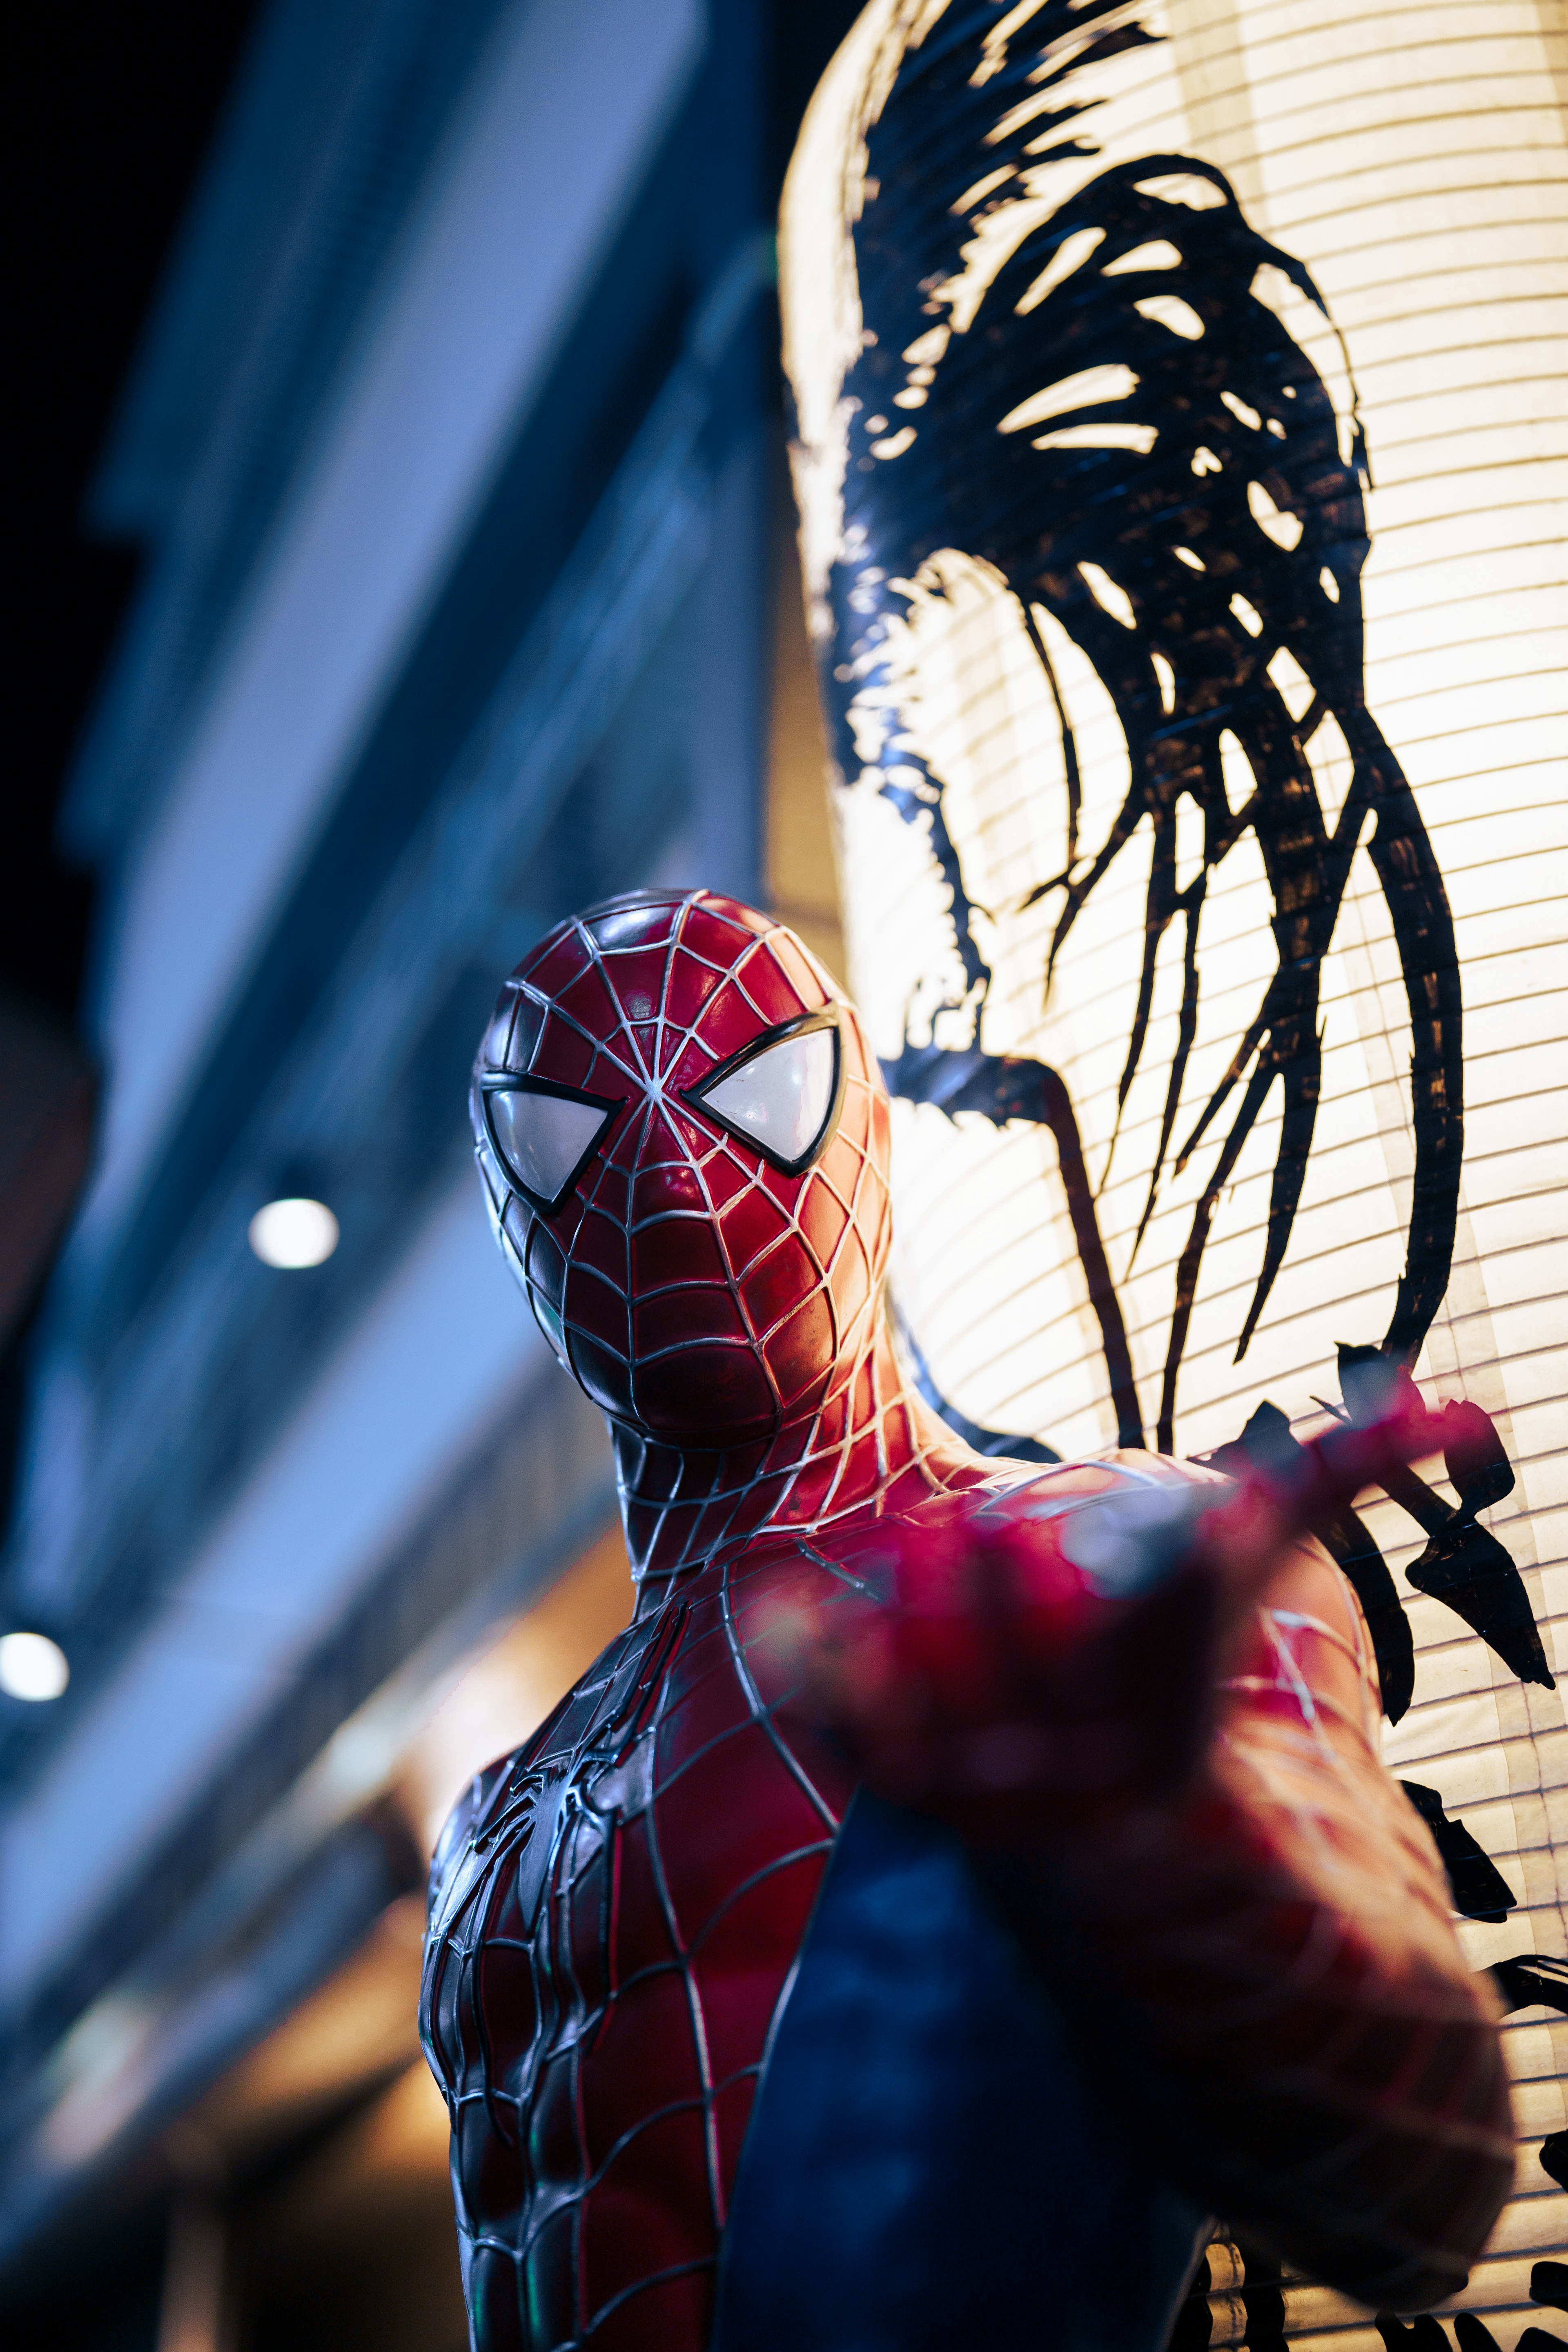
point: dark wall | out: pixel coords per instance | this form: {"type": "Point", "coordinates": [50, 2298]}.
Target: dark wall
{"type": "Point", "coordinates": [112, 103]}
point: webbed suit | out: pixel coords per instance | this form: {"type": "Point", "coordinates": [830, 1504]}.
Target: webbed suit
{"type": "Point", "coordinates": [737, 2056]}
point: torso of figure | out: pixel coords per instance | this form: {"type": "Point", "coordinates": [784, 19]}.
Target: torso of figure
{"type": "Point", "coordinates": [620, 1912]}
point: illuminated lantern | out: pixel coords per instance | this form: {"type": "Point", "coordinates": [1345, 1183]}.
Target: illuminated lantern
{"type": "Point", "coordinates": [1179, 426]}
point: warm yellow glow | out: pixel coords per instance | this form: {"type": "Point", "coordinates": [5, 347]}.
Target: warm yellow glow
{"type": "Point", "coordinates": [408, 2131]}
{"type": "Point", "coordinates": [191, 2312]}
{"type": "Point", "coordinates": [360, 2025]}
{"type": "Point", "coordinates": [1415, 160]}
{"type": "Point", "coordinates": [801, 876]}
{"type": "Point", "coordinates": [508, 1692]}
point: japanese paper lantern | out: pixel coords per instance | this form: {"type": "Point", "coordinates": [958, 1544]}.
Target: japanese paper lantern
{"type": "Point", "coordinates": [1180, 407]}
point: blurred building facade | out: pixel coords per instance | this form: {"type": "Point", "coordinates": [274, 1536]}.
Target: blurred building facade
{"type": "Point", "coordinates": [453, 451]}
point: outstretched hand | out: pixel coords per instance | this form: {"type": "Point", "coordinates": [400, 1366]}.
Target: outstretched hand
{"type": "Point", "coordinates": [1138, 1677]}
{"type": "Point", "coordinates": [1025, 1662]}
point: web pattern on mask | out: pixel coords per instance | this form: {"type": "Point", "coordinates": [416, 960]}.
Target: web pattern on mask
{"type": "Point", "coordinates": [686, 1279]}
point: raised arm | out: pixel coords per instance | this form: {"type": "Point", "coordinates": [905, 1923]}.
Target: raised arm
{"type": "Point", "coordinates": [1177, 1798]}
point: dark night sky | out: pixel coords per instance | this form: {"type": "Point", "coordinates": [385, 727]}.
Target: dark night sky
{"type": "Point", "coordinates": [113, 104]}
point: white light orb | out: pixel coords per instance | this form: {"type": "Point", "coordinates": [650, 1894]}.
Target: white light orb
{"type": "Point", "coordinates": [294, 1233]}
{"type": "Point", "coordinates": [32, 1666]}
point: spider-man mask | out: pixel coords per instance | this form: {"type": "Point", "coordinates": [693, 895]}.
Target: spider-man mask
{"type": "Point", "coordinates": [684, 1140]}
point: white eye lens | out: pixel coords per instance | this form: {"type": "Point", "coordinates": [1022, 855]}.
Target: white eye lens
{"type": "Point", "coordinates": [543, 1139]}
{"type": "Point", "coordinates": [781, 1098]}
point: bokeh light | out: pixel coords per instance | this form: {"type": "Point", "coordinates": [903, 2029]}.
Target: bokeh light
{"type": "Point", "coordinates": [32, 1666]}
{"type": "Point", "coordinates": [294, 1233]}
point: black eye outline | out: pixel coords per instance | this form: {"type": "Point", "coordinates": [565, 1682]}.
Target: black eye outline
{"type": "Point", "coordinates": [505, 1082]}
{"type": "Point", "coordinates": [826, 1019]}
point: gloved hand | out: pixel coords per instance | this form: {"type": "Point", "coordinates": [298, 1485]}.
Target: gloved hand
{"type": "Point", "coordinates": [1020, 1661]}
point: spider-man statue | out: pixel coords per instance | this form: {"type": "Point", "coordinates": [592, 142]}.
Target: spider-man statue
{"type": "Point", "coordinates": [959, 1876]}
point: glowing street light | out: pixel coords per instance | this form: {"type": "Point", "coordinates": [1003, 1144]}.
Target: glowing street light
{"type": "Point", "coordinates": [32, 1666]}
{"type": "Point", "coordinates": [294, 1233]}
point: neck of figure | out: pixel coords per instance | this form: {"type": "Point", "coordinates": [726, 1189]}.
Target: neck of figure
{"type": "Point", "coordinates": [874, 1442]}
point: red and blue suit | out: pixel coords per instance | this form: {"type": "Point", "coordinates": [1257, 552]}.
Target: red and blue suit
{"type": "Point", "coordinates": [905, 1934]}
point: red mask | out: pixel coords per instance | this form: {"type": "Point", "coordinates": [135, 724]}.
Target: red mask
{"type": "Point", "coordinates": [684, 1139]}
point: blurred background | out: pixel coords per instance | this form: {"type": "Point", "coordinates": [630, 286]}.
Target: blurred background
{"type": "Point", "coordinates": [406, 560]}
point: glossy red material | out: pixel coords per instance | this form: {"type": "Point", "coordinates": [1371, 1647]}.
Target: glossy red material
{"type": "Point", "coordinates": [727, 1317]}
{"type": "Point", "coordinates": [617, 1908]}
